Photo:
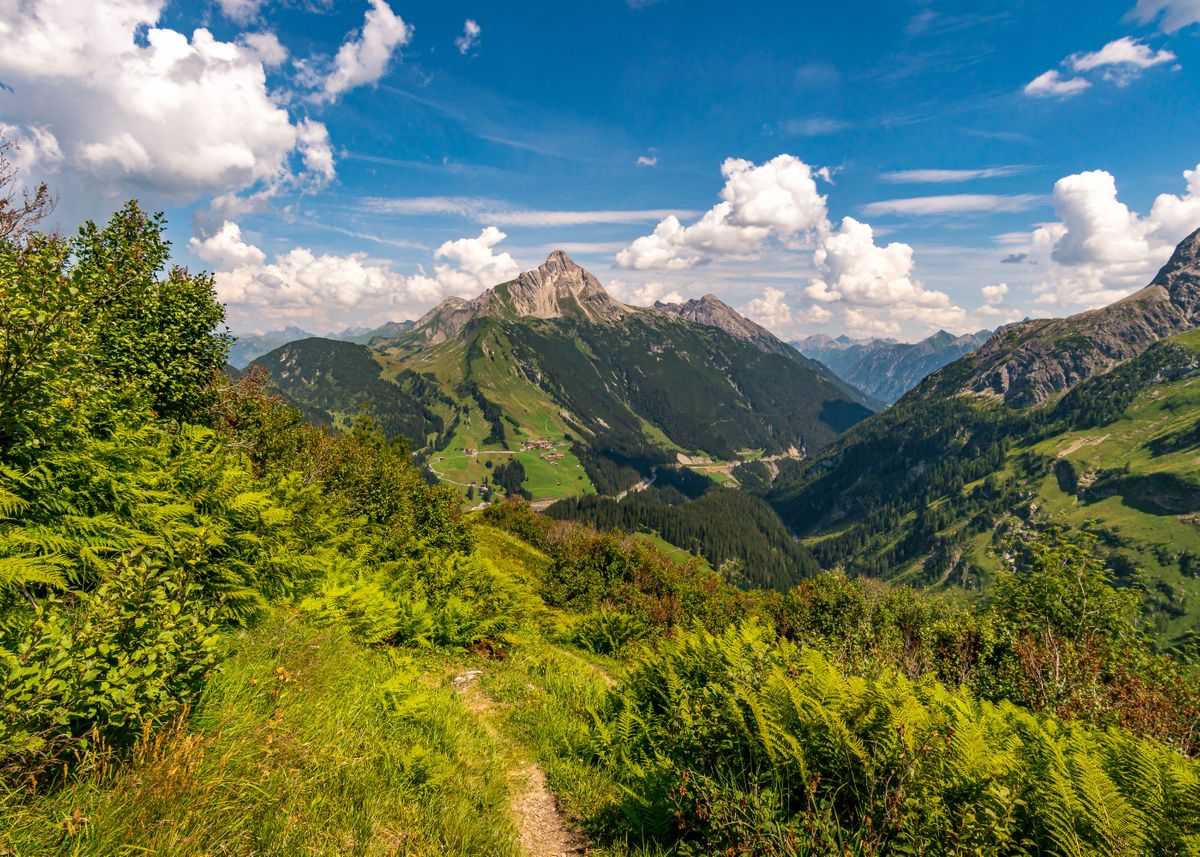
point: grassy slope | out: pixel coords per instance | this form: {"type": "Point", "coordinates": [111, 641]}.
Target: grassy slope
{"type": "Point", "coordinates": [304, 744]}
{"type": "Point", "coordinates": [307, 743]}
{"type": "Point", "coordinates": [1167, 409]}
{"type": "Point", "coordinates": [534, 413]}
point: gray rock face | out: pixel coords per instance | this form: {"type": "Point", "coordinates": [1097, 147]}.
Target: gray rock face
{"type": "Point", "coordinates": [1026, 363]}
{"type": "Point", "coordinates": [555, 289]}
{"type": "Point", "coordinates": [710, 311]}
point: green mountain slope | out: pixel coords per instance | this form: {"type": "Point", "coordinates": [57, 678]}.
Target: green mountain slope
{"type": "Point", "coordinates": [920, 493]}
{"type": "Point", "coordinates": [550, 373]}
{"type": "Point", "coordinates": [1093, 428]}
{"type": "Point", "coordinates": [332, 382]}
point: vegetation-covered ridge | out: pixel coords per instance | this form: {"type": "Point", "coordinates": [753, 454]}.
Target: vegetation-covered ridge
{"type": "Point", "coordinates": [587, 394]}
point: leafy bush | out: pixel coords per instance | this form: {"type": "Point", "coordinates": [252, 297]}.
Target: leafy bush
{"type": "Point", "coordinates": [453, 600]}
{"type": "Point", "coordinates": [606, 632]}
{"type": "Point", "coordinates": [102, 667]}
{"type": "Point", "coordinates": [744, 743]}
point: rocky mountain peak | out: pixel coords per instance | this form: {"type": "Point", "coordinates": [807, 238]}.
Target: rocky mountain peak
{"type": "Point", "coordinates": [711, 311]}
{"type": "Point", "coordinates": [558, 287]}
{"type": "Point", "coordinates": [1181, 275]}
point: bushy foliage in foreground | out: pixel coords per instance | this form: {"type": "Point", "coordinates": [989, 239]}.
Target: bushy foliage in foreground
{"type": "Point", "coordinates": [131, 535]}
{"type": "Point", "coordinates": [745, 743]}
{"type": "Point", "coordinates": [303, 743]}
{"type": "Point", "coordinates": [592, 570]}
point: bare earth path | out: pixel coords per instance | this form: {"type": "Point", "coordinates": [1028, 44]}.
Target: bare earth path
{"type": "Point", "coordinates": [543, 832]}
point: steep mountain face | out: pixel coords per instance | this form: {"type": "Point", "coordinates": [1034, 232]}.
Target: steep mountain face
{"type": "Point", "coordinates": [556, 289]}
{"type": "Point", "coordinates": [1087, 422]}
{"type": "Point", "coordinates": [1025, 363]}
{"type": "Point", "coordinates": [710, 311]}
{"type": "Point", "coordinates": [923, 492]}
{"type": "Point", "coordinates": [550, 372]}
{"type": "Point", "coordinates": [887, 369]}
{"type": "Point", "coordinates": [332, 382]}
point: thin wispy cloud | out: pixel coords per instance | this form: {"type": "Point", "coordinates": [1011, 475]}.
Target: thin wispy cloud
{"type": "Point", "coordinates": [934, 176]}
{"type": "Point", "coordinates": [959, 203]}
{"type": "Point", "coordinates": [1172, 15]}
{"type": "Point", "coordinates": [498, 212]}
{"type": "Point", "coordinates": [814, 126]}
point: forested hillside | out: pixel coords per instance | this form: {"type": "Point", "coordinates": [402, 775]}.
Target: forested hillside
{"type": "Point", "coordinates": [225, 630]}
{"type": "Point", "coordinates": [551, 363]}
{"type": "Point", "coordinates": [922, 492]}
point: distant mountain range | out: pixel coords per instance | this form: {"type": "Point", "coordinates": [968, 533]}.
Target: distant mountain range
{"type": "Point", "coordinates": [884, 368]}
{"type": "Point", "coordinates": [247, 347]}
{"type": "Point", "coordinates": [551, 373]}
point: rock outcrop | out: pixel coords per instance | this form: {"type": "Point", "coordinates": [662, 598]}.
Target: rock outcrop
{"type": "Point", "coordinates": [710, 311]}
{"type": "Point", "coordinates": [557, 288]}
{"type": "Point", "coordinates": [1028, 362]}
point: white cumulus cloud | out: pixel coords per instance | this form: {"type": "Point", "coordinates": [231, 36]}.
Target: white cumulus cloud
{"type": "Point", "coordinates": [1122, 60]}
{"type": "Point", "coordinates": [778, 198]}
{"type": "Point", "coordinates": [364, 58]}
{"type": "Point", "coordinates": [302, 285]}
{"type": "Point", "coordinates": [469, 38]}
{"type": "Point", "coordinates": [771, 309]}
{"type": "Point", "coordinates": [854, 270]}
{"type": "Point", "coordinates": [1099, 250]}
{"type": "Point", "coordinates": [1123, 51]}
{"type": "Point", "coordinates": [1052, 84]}
{"type": "Point", "coordinates": [134, 106]}
{"type": "Point", "coordinates": [643, 294]}
{"type": "Point", "coordinates": [994, 295]}
{"type": "Point", "coordinates": [475, 267]}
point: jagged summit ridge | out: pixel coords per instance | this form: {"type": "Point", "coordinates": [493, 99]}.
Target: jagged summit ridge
{"type": "Point", "coordinates": [557, 288]}
{"type": "Point", "coordinates": [1026, 363]}
{"type": "Point", "coordinates": [711, 311]}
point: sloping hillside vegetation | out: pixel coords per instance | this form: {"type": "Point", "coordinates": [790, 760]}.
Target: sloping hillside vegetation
{"type": "Point", "coordinates": [223, 630]}
{"type": "Point", "coordinates": [921, 492]}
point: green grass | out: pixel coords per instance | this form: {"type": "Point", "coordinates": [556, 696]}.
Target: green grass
{"type": "Point", "coordinates": [1166, 409]}
{"type": "Point", "coordinates": [529, 407]}
{"type": "Point", "coordinates": [677, 554]}
{"type": "Point", "coordinates": [304, 744]}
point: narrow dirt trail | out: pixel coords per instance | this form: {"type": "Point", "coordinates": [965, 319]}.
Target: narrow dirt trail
{"type": "Point", "coordinates": [542, 830]}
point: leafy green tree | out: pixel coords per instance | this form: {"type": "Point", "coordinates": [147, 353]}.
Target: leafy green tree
{"type": "Point", "coordinates": [91, 327]}
{"type": "Point", "coordinates": [1058, 587]}
{"type": "Point", "coordinates": [161, 334]}
{"type": "Point", "coordinates": [42, 344]}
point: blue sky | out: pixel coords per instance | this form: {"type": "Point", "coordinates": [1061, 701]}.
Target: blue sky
{"type": "Point", "coordinates": [353, 162]}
